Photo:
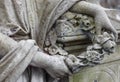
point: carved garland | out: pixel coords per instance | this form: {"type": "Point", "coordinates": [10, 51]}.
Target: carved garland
{"type": "Point", "coordinates": [101, 44]}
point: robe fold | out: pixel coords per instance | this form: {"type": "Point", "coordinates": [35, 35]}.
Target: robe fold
{"type": "Point", "coordinates": [16, 61]}
{"type": "Point", "coordinates": [32, 19]}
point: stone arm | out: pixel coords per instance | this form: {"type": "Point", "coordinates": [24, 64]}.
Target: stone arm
{"type": "Point", "coordinates": [54, 65]}
{"type": "Point", "coordinates": [98, 12]}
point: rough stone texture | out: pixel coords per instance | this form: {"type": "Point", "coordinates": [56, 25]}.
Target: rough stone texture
{"type": "Point", "coordinates": [109, 69]}
{"type": "Point", "coordinates": [107, 72]}
{"type": "Point", "coordinates": [21, 20]}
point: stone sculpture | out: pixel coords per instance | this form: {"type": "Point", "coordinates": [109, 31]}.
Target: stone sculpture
{"type": "Point", "coordinates": [32, 32]}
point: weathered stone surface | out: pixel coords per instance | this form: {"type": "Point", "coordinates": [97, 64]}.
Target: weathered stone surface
{"type": "Point", "coordinates": [57, 35]}
{"type": "Point", "coordinates": [109, 71]}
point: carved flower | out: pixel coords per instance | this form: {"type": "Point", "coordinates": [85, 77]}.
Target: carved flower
{"type": "Point", "coordinates": [94, 56]}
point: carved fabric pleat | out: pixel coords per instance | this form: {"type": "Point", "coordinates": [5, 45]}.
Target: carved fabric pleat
{"type": "Point", "coordinates": [36, 16]}
{"type": "Point", "coordinates": [16, 61]}
{"type": "Point", "coordinates": [60, 8]}
{"type": "Point", "coordinates": [24, 15]}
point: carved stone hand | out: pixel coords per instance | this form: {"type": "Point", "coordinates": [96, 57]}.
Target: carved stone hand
{"type": "Point", "coordinates": [98, 12]}
{"type": "Point", "coordinates": [74, 63]}
{"type": "Point", "coordinates": [57, 67]}
{"type": "Point", "coordinates": [103, 22]}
